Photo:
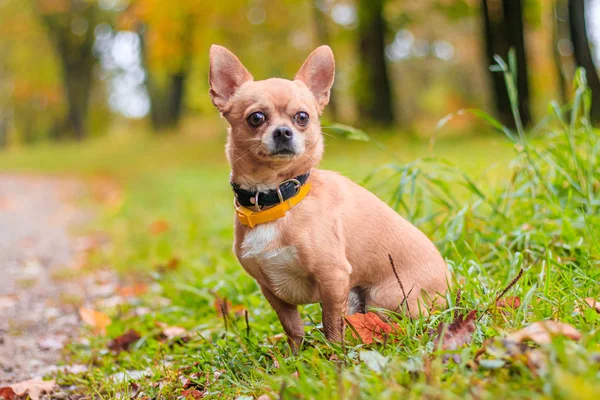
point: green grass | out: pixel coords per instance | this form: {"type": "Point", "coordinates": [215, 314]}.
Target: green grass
{"type": "Point", "coordinates": [525, 206]}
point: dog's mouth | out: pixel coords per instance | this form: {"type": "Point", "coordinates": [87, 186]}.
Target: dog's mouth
{"type": "Point", "coordinates": [284, 152]}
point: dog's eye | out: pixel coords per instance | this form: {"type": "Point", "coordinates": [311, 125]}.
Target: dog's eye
{"type": "Point", "coordinates": [256, 119]}
{"type": "Point", "coordinates": [301, 118]}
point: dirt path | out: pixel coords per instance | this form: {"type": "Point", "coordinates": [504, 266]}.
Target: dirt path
{"type": "Point", "coordinates": [38, 256]}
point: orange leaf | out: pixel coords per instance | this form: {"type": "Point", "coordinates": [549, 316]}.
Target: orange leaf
{"type": "Point", "coordinates": [369, 327]}
{"type": "Point", "coordinates": [222, 305]}
{"type": "Point", "coordinates": [192, 394]}
{"type": "Point", "coordinates": [542, 332]}
{"type": "Point", "coordinates": [133, 291]}
{"type": "Point", "coordinates": [593, 303]}
{"type": "Point", "coordinates": [96, 319]}
{"type": "Point", "coordinates": [509, 302]}
{"type": "Point", "coordinates": [7, 393]}
{"type": "Point", "coordinates": [159, 226]}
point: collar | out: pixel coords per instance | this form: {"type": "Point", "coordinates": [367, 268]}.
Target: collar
{"type": "Point", "coordinates": [287, 195]}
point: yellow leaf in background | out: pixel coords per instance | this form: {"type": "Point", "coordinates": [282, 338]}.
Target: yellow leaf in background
{"type": "Point", "coordinates": [96, 319]}
{"type": "Point", "coordinates": [159, 226]}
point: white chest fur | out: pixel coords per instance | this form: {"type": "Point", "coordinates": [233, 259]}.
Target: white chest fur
{"type": "Point", "coordinates": [279, 264]}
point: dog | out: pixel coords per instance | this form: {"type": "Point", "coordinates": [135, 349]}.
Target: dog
{"type": "Point", "coordinates": [308, 235]}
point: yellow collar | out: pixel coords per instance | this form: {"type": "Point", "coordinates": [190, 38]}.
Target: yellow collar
{"type": "Point", "coordinates": [252, 218]}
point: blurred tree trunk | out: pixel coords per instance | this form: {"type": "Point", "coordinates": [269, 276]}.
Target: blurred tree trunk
{"type": "Point", "coordinates": [322, 30]}
{"type": "Point", "coordinates": [373, 91]}
{"type": "Point", "coordinates": [167, 92]}
{"type": "Point", "coordinates": [74, 50]}
{"type": "Point", "coordinates": [583, 53]}
{"type": "Point", "coordinates": [503, 30]}
{"type": "Point", "coordinates": [3, 130]}
{"type": "Point", "coordinates": [559, 33]}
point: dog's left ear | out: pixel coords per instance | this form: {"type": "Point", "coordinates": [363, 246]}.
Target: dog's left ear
{"type": "Point", "coordinates": [317, 73]}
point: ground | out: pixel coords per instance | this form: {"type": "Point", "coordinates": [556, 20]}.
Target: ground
{"type": "Point", "coordinates": [162, 211]}
{"type": "Point", "coordinates": [40, 265]}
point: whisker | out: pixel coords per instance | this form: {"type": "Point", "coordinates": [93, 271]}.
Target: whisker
{"type": "Point", "coordinates": [310, 158]}
{"type": "Point", "coordinates": [246, 153]}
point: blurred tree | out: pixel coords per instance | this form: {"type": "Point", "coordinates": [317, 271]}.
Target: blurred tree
{"type": "Point", "coordinates": [323, 37]}
{"type": "Point", "coordinates": [503, 30]}
{"type": "Point", "coordinates": [583, 52]}
{"type": "Point", "coordinates": [560, 33]}
{"type": "Point", "coordinates": [31, 95]}
{"type": "Point", "coordinates": [3, 103]}
{"type": "Point", "coordinates": [70, 26]}
{"type": "Point", "coordinates": [373, 90]}
{"type": "Point", "coordinates": [167, 31]}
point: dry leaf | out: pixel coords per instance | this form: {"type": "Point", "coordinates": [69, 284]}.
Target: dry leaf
{"type": "Point", "coordinates": [172, 332]}
{"type": "Point", "coordinates": [192, 394]}
{"type": "Point", "coordinates": [7, 393]}
{"type": "Point", "coordinates": [159, 226]}
{"type": "Point", "coordinates": [96, 319]}
{"type": "Point", "coordinates": [222, 305]}
{"type": "Point", "coordinates": [264, 397]}
{"type": "Point", "coordinates": [593, 303]}
{"type": "Point", "coordinates": [33, 388]}
{"type": "Point", "coordinates": [457, 334]}
{"type": "Point", "coordinates": [133, 291]}
{"type": "Point", "coordinates": [369, 327]}
{"type": "Point", "coordinates": [509, 302]}
{"type": "Point", "coordinates": [542, 332]}
{"type": "Point", "coordinates": [170, 265]}
{"type": "Point", "coordinates": [124, 341]}
{"type": "Point", "coordinates": [8, 301]}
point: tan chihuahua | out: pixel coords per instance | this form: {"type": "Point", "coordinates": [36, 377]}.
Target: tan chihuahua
{"type": "Point", "coordinates": [308, 235]}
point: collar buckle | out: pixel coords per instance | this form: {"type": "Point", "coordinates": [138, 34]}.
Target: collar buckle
{"type": "Point", "coordinates": [295, 181]}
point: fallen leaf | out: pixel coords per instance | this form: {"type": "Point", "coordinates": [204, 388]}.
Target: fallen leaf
{"type": "Point", "coordinates": [222, 305]}
{"type": "Point", "coordinates": [159, 226]}
{"type": "Point", "coordinates": [172, 332]}
{"type": "Point", "coordinates": [171, 265]}
{"type": "Point", "coordinates": [542, 332]}
{"type": "Point", "coordinates": [124, 341]}
{"type": "Point", "coordinates": [33, 388]}
{"type": "Point", "coordinates": [8, 301]}
{"type": "Point", "coordinates": [593, 303]}
{"type": "Point", "coordinates": [96, 319]}
{"type": "Point", "coordinates": [192, 394]}
{"type": "Point", "coordinates": [509, 302]}
{"type": "Point", "coordinates": [369, 327]}
{"type": "Point", "coordinates": [457, 334]}
{"type": "Point", "coordinates": [7, 393]}
{"type": "Point", "coordinates": [133, 291]}
{"type": "Point", "coordinates": [90, 243]}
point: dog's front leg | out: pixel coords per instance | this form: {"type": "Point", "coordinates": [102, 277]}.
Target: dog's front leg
{"type": "Point", "coordinates": [288, 316]}
{"type": "Point", "coordinates": [334, 289]}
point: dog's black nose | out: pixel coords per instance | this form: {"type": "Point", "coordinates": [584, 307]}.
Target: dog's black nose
{"type": "Point", "coordinates": [283, 134]}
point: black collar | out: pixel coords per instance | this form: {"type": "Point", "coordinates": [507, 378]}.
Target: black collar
{"type": "Point", "coordinates": [286, 189]}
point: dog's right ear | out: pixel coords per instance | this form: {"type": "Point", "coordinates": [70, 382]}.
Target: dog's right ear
{"type": "Point", "coordinates": [226, 74]}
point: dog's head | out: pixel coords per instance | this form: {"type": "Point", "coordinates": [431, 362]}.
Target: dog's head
{"type": "Point", "coordinates": [274, 122]}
